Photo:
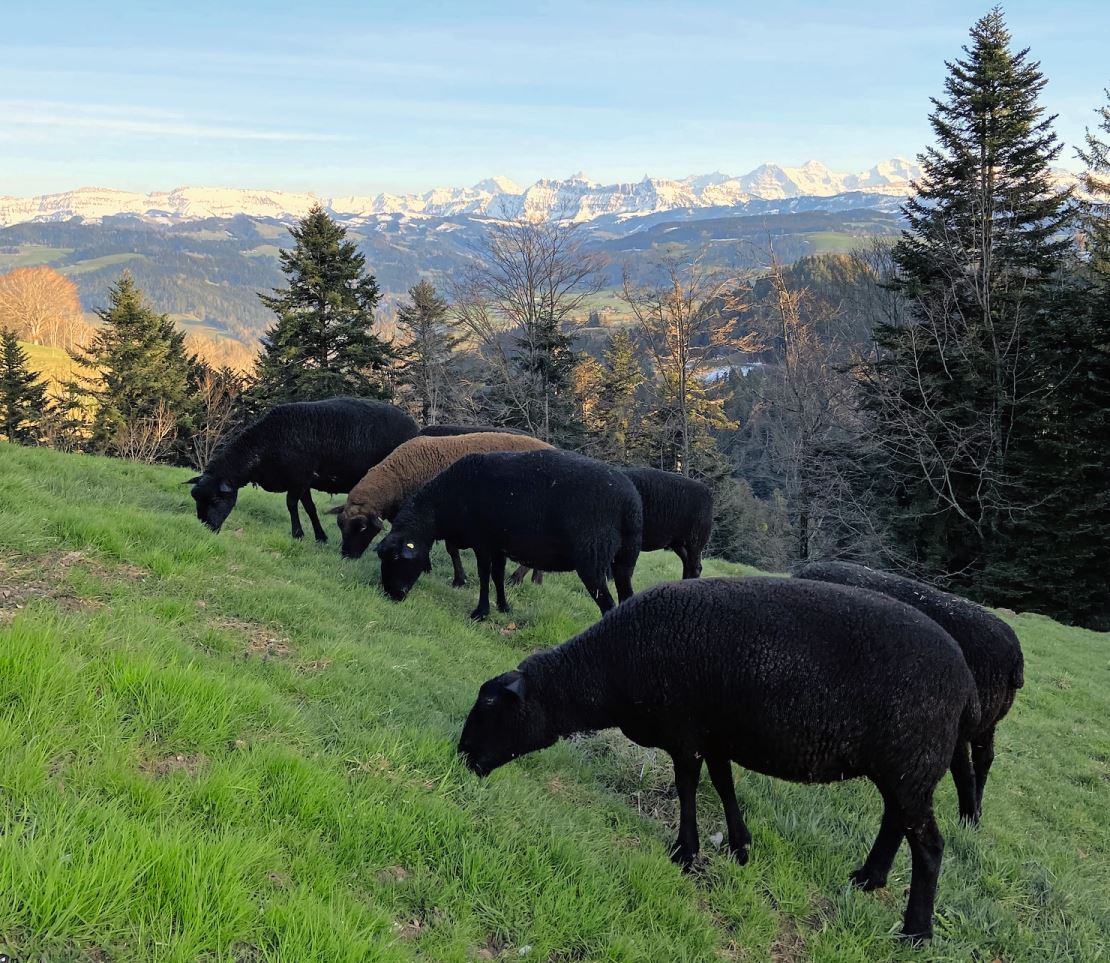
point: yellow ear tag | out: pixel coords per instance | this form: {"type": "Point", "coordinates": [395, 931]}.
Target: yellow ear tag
{"type": "Point", "coordinates": [409, 545]}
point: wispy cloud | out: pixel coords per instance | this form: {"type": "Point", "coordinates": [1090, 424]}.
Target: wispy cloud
{"type": "Point", "coordinates": [141, 121]}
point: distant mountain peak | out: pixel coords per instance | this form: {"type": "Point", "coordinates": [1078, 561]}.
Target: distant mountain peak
{"type": "Point", "coordinates": [578, 197]}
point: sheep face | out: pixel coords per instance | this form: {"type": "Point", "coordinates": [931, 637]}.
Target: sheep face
{"type": "Point", "coordinates": [215, 499]}
{"type": "Point", "coordinates": [358, 532]}
{"type": "Point", "coordinates": [403, 562]}
{"type": "Point", "coordinates": [503, 724]}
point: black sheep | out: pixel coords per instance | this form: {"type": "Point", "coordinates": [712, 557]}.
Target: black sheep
{"type": "Point", "coordinates": [799, 680]}
{"type": "Point", "coordinates": [678, 515]}
{"type": "Point", "coordinates": [547, 509]}
{"type": "Point", "coordinates": [327, 445]}
{"type": "Point", "coordinates": [990, 646]}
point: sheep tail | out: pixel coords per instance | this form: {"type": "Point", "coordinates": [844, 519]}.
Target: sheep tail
{"type": "Point", "coordinates": [969, 718]}
{"type": "Point", "coordinates": [1017, 675]}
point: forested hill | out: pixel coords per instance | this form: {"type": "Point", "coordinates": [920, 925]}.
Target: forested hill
{"type": "Point", "coordinates": [206, 274]}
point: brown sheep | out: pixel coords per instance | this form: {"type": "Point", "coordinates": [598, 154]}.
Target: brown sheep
{"type": "Point", "coordinates": [382, 491]}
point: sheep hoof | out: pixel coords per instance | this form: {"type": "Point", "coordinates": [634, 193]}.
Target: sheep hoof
{"type": "Point", "coordinates": [479, 615]}
{"type": "Point", "coordinates": [321, 538]}
{"type": "Point", "coordinates": [971, 819]}
{"type": "Point", "coordinates": [866, 880]}
{"type": "Point", "coordinates": [458, 582]}
{"type": "Point", "coordinates": [298, 534]}
{"type": "Point", "coordinates": [516, 579]}
{"type": "Point", "coordinates": [740, 853]}
{"type": "Point", "coordinates": [505, 609]}
{"type": "Point", "coordinates": [916, 939]}
{"type": "Point", "coordinates": [683, 857]}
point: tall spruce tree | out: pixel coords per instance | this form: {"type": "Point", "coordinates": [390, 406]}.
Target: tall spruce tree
{"type": "Point", "coordinates": [957, 385]}
{"type": "Point", "coordinates": [322, 343]}
{"type": "Point", "coordinates": [139, 371]}
{"type": "Point", "coordinates": [427, 354]}
{"type": "Point", "coordinates": [1061, 552]}
{"type": "Point", "coordinates": [23, 403]}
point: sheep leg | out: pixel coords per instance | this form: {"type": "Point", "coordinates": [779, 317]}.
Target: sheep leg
{"type": "Point", "coordinates": [459, 579]}
{"type": "Point", "coordinates": [691, 561]}
{"type": "Point", "coordinates": [739, 839]}
{"type": "Point", "coordinates": [622, 575]}
{"type": "Point", "coordinates": [310, 508]}
{"type": "Point", "coordinates": [687, 774]}
{"type": "Point", "coordinates": [498, 568]}
{"type": "Point", "coordinates": [982, 755]}
{"type": "Point", "coordinates": [517, 578]}
{"type": "Point", "coordinates": [597, 585]}
{"type": "Point", "coordinates": [294, 517]}
{"type": "Point", "coordinates": [963, 774]}
{"type": "Point", "coordinates": [537, 576]}
{"type": "Point", "coordinates": [484, 562]}
{"type": "Point", "coordinates": [926, 850]}
{"type": "Point", "coordinates": [875, 869]}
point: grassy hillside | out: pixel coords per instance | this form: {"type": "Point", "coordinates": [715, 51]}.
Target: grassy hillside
{"type": "Point", "coordinates": [233, 748]}
{"type": "Point", "coordinates": [54, 364]}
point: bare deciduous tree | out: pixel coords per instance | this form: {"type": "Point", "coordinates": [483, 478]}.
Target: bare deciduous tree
{"type": "Point", "coordinates": [42, 307]}
{"type": "Point", "coordinates": [533, 276]}
{"type": "Point", "coordinates": [217, 395]}
{"type": "Point", "coordinates": [146, 439]}
{"type": "Point", "coordinates": [683, 326]}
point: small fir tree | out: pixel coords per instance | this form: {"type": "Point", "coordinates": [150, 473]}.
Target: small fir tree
{"type": "Point", "coordinates": [23, 403]}
{"type": "Point", "coordinates": [140, 372]}
{"type": "Point", "coordinates": [322, 343]}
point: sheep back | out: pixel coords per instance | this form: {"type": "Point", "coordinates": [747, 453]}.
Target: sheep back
{"type": "Point", "coordinates": [547, 509]}
{"type": "Point", "coordinates": [677, 510]}
{"type": "Point", "coordinates": [989, 645]}
{"type": "Point", "coordinates": [327, 445]}
{"type": "Point", "coordinates": [384, 488]}
{"type": "Point", "coordinates": [800, 680]}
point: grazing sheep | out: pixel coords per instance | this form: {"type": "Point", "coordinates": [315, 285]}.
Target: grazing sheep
{"type": "Point", "coordinates": [678, 515]}
{"type": "Point", "coordinates": [798, 680]}
{"type": "Point", "coordinates": [379, 495]}
{"type": "Point", "coordinates": [327, 445]}
{"type": "Point", "coordinates": [548, 509]}
{"type": "Point", "coordinates": [444, 431]}
{"type": "Point", "coordinates": [990, 646]}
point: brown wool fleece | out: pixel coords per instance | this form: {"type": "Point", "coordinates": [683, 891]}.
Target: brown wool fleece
{"type": "Point", "coordinates": [384, 488]}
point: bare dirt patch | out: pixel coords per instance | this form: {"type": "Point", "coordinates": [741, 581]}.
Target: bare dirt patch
{"type": "Point", "coordinates": [25, 579]}
{"type": "Point", "coordinates": [262, 642]}
{"type": "Point", "coordinates": [189, 763]}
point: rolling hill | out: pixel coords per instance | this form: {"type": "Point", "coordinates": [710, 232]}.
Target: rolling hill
{"type": "Point", "coordinates": [206, 274]}
{"type": "Point", "coordinates": [233, 748]}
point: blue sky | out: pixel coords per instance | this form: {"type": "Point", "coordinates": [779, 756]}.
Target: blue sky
{"type": "Point", "coordinates": [361, 97]}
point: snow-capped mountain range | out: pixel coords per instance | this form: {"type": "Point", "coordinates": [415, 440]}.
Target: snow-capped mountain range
{"type": "Point", "coordinates": [576, 198]}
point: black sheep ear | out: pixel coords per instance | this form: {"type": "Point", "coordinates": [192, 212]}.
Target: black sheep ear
{"type": "Point", "coordinates": [193, 480]}
{"type": "Point", "coordinates": [226, 488]}
{"type": "Point", "coordinates": [517, 686]}
{"type": "Point", "coordinates": [407, 551]}
{"type": "Point", "coordinates": [334, 511]}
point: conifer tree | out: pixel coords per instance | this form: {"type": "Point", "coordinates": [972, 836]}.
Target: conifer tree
{"type": "Point", "coordinates": [322, 344]}
{"type": "Point", "coordinates": [23, 402]}
{"type": "Point", "coordinates": [1059, 554]}
{"type": "Point", "coordinates": [427, 355]}
{"type": "Point", "coordinates": [140, 372]}
{"type": "Point", "coordinates": [621, 376]}
{"type": "Point", "coordinates": [985, 243]}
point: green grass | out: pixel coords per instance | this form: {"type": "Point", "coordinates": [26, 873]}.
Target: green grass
{"type": "Point", "coordinates": [834, 242]}
{"type": "Point", "coordinates": [233, 748]}
{"type": "Point", "coordinates": [54, 364]}
{"type": "Point", "coordinates": [32, 255]}
{"type": "Point", "coordinates": [96, 263]}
